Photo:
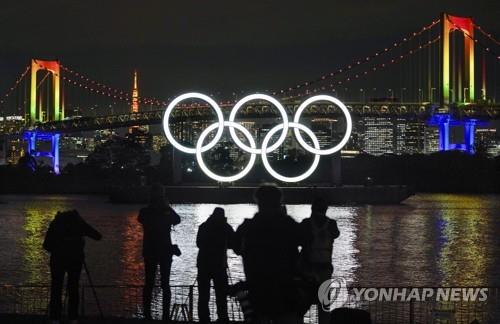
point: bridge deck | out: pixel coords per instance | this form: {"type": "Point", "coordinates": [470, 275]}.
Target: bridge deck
{"type": "Point", "coordinates": [258, 111]}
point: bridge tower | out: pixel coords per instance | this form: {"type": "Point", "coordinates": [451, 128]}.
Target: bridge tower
{"type": "Point", "coordinates": [38, 114]}
{"type": "Point", "coordinates": [453, 95]}
{"type": "Point", "coordinates": [54, 111]}
{"type": "Point", "coordinates": [449, 24]}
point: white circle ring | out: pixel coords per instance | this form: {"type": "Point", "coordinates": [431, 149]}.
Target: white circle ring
{"type": "Point", "coordinates": [275, 174]}
{"type": "Point", "coordinates": [281, 110]}
{"type": "Point", "coordinates": [211, 102]}
{"type": "Point", "coordinates": [348, 130]}
{"type": "Point", "coordinates": [202, 164]}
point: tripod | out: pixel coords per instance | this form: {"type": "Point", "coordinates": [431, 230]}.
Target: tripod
{"type": "Point", "coordinates": [93, 289]}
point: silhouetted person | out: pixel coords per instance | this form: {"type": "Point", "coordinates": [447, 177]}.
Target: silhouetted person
{"type": "Point", "coordinates": [269, 245]}
{"type": "Point", "coordinates": [214, 237]}
{"type": "Point", "coordinates": [316, 256]}
{"type": "Point", "coordinates": [157, 220]}
{"type": "Point", "coordinates": [65, 242]}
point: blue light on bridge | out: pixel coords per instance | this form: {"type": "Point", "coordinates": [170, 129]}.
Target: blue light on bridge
{"type": "Point", "coordinates": [33, 136]}
{"type": "Point", "coordinates": [445, 121]}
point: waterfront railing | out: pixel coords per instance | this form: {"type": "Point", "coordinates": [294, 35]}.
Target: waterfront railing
{"type": "Point", "coordinates": [125, 301]}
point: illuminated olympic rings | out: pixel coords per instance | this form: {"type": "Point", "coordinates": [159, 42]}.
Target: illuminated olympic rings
{"type": "Point", "coordinates": [252, 149]}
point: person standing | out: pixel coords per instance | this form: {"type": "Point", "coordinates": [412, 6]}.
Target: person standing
{"type": "Point", "coordinates": [268, 244]}
{"type": "Point", "coordinates": [316, 256]}
{"type": "Point", "coordinates": [65, 242]}
{"type": "Point", "coordinates": [157, 220]}
{"type": "Point", "coordinates": [213, 239]}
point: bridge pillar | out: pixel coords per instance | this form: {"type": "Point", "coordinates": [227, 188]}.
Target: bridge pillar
{"type": "Point", "coordinates": [449, 24]}
{"type": "Point", "coordinates": [445, 121]}
{"type": "Point", "coordinates": [32, 137]}
{"type": "Point", "coordinates": [444, 134]}
{"type": "Point", "coordinates": [469, 131]}
{"type": "Point", "coordinates": [52, 67]}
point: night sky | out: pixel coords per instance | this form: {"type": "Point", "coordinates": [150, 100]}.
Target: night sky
{"type": "Point", "coordinates": [212, 46]}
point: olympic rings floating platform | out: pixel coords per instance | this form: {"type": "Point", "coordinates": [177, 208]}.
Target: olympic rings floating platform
{"type": "Point", "coordinates": [341, 195]}
{"type": "Point", "coordinates": [252, 149]}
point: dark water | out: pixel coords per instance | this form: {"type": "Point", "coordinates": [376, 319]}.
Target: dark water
{"type": "Point", "coordinates": [430, 240]}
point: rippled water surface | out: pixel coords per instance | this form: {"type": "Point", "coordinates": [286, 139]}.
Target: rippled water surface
{"type": "Point", "coordinates": [430, 240]}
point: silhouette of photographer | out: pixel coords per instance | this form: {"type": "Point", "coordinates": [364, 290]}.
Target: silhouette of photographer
{"type": "Point", "coordinates": [157, 220]}
{"type": "Point", "coordinates": [214, 237]}
{"type": "Point", "coordinates": [268, 244]}
{"type": "Point", "coordinates": [65, 242]}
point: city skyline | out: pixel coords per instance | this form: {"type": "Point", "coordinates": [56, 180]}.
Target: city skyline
{"type": "Point", "coordinates": [371, 135]}
{"type": "Point", "coordinates": [429, 77]}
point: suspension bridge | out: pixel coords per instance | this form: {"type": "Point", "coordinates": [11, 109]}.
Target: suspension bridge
{"type": "Point", "coordinates": [443, 73]}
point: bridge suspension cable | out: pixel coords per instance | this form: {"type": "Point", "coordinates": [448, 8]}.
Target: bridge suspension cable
{"type": "Point", "coordinates": [93, 86]}
{"type": "Point", "coordinates": [42, 80]}
{"type": "Point", "coordinates": [92, 89]}
{"type": "Point", "coordinates": [361, 61]}
{"type": "Point", "coordinates": [15, 85]}
{"type": "Point", "coordinates": [98, 84]}
{"type": "Point", "coordinates": [489, 35]}
{"type": "Point", "coordinates": [373, 69]}
{"type": "Point", "coordinates": [476, 41]}
{"type": "Point", "coordinates": [347, 71]}
{"type": "Point", "coordinates": [349, 68]}
{"type": "Point", "coordinates": [410, 53]}
{"type": "Point", "coordinates": [101, 89]}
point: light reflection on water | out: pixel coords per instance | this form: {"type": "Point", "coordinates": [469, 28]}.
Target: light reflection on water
{"type": "Point", "coordinates": [431, 240]}
{"type": "Point", "coordinates": [465, 239]}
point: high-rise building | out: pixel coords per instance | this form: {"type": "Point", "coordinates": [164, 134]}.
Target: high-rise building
{"type": "Point", "coordinates": [323, 128]}
{"type": "Point", "coordinates": [400, 135]}
{"type": "Point", "coordinates": [378, 135]}
{"type": "Point", "coordinates": [280, 152]}
{"type": "Point", "coordinates": [409, 136]}
{"type": "Point", "coordinates": [486, 139]}
{"type": "Point", "coordinates": [431, 139]}
{"type": "Point", "coordinates": [16, 148]}
{"type": "Point", "coordinates": [356, 142]}
{"type": "Point", "coordinates": [414, 139]}
{"type": "Point", "coordinates": [235, 152]}
{"type": "Point", "coordinates": [188, 131]}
